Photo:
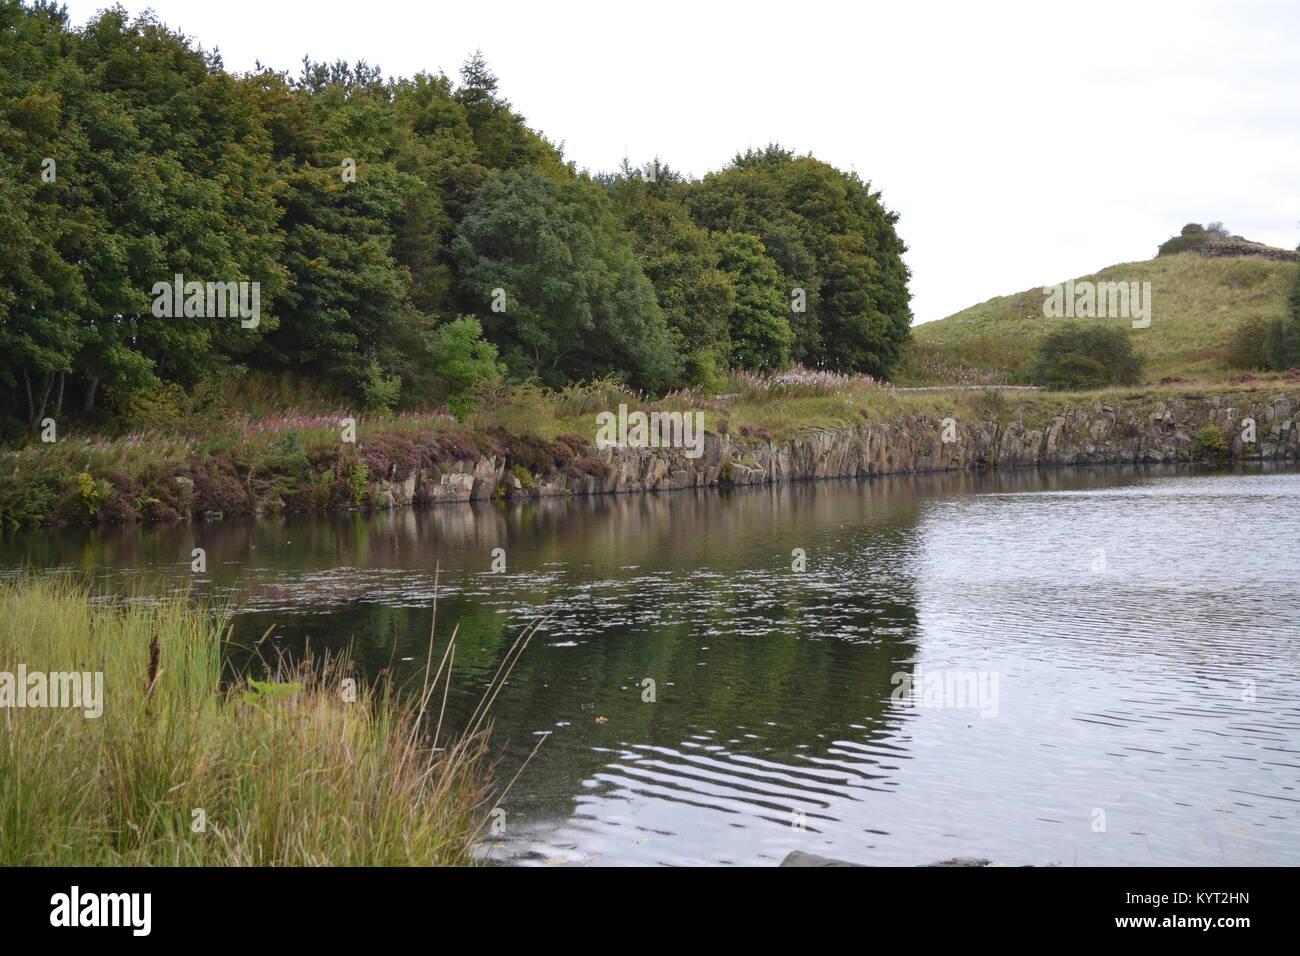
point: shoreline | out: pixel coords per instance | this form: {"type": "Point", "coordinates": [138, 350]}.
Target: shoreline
{"type": "Point", "coordinates": [388, 469]}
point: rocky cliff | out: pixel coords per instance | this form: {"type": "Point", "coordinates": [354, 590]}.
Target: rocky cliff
{"type": "Point", "coordinates": [1168, 431]}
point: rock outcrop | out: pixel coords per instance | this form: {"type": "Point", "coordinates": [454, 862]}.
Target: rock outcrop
{"type": "Point", "coordinates": [1178, 429]}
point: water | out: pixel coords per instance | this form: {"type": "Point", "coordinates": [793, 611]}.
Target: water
{"type": "Point", "coordinates": [1135, 634]}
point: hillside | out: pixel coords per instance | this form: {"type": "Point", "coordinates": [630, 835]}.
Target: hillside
{"type": "Point", "coordinates": [1196, 303]}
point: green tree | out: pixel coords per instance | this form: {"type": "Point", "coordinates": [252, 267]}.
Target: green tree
{"type": "Point", "coordinates": [462, 359]}
{"type": "Point", "coordinates": [573, 301]}
{"type": "Point", "coordinates": [683, 264]}
{"type": "Point", "coordinates": [831, 237]}
{"type": "Point", "coordinates": [760, 333]}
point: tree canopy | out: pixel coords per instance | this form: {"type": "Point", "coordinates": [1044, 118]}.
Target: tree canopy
{"type": "Point", "coordinates": [374, 214]}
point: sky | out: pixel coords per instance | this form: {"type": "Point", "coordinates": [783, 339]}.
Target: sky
{"type": "Point", "coordinates": [1021, 144]}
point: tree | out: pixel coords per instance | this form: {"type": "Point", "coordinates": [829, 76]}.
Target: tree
{"type": "Point", "coordinates": [573, 301]}
{"type": "Point", "coordinates": [830, 237]}
{"type": "Point", "coordinates": [461, 359]}
{"type": "Point", "coordinates": [761, 336]}
{"type": "Point", "coordinates": [683, 264]}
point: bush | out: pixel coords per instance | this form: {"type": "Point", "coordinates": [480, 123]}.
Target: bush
{"type": "Point", "coordinates": [462, 360]}
{"type": "Point", "coordinates": [1282, 337]}
{"type": "Point", "coordinates": [591, 465]}
{"type": "Point", "coordinates": [1247, 345]}
{"type": "Point", "coordinates": [1086, 356]}
{"type": "Point", "coordinates": [1209, 442]}
{"type": "Point", "coordinates": [155, 406]}
{"type": "Point", "coordinates": [1282, 343]}
{"type": "Point", "coordinates": [514, 409]}
{"type": "Point", "coordinates": [1183, 243]}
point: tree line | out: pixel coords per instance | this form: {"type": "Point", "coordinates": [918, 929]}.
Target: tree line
{"type": "Point", "coordinates": [408, 236]}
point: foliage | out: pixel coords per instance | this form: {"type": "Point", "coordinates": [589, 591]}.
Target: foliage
{"type": "Point", "coordinates": [1078, 356]}
{"type": "Point", "coordinates": [1247, 344]}
{"type": "Point", "coordinates": [1193, 236]}
{"type": "Point", "coordinates": [379, 391]}
{"type": "Point", "coordinates": [461, 359]}
{"type": "Point", "coordinates": [1210, 442]}
{"type": "Point", "coordinates": [1282, 337]}
{"type": "Point", "coordinates": [573, 301]}
{"type": "Point", "coordinates": [371, 214]}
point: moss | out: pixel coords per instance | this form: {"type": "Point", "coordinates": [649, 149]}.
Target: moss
{"type": "Point", "coordinates": [1209, 442]}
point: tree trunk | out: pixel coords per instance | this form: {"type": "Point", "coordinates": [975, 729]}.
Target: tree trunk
{"type": "Point", "coordinates": [91, 388]}
{"type": "Point", "coordinates": [58, 402]}
{"type": "Point", "coordinates": [39, 414]}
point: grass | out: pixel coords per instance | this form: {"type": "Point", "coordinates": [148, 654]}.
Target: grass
{"type": "Point", "coordinates": [1196, 303]}
{"type": "Point", "coordinates": [282, 772]}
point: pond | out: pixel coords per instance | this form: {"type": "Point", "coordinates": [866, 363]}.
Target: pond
{"type": "Point", "coordinates": [1077, 667]}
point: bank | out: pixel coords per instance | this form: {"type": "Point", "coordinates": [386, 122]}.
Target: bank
{"type": "Point", "coordinates": [405, 462]}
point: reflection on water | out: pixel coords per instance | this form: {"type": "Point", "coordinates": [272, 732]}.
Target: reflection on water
{"type": "Point", "coordinates": [1141, 625]}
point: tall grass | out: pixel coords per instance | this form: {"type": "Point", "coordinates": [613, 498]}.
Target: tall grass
{"type": "Point", "coordinates": [282, 771]}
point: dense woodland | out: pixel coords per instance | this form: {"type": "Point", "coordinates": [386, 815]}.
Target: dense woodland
{"type": "Point", "coordinates": [462, 246]}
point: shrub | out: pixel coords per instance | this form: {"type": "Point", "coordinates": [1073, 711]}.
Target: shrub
{"type": "Point", "coordinates": [155, 406]}
{"type": "Point", "coordinates": [591, 465]}
{"type": "Point", "coordinates": [1182, 244]}
{"type": "Point", "coordinates": [1086, 356]}
{"type": "Point", "coordinates": [162, 497]}
{"type": "Point", "coordinates": [461, 360]}
{"type": "Point", "coordinates": [587, 398]}
{"type": "Point", "coordinates": [1209, 442]}
{"type": "Point", "coordinates": [119, 505]}
{"type": "Point", "coordinates": [455, 445]}
{"type": "Point", "coordinates": [358, 483]}
{"type": "Point", "coordinates": [514, 409]}
{"type": "Point", "coordinates": [216, 486]}
{"type": "Point", "coordinates": [1247, 344]}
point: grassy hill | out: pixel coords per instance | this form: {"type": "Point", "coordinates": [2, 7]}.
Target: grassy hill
{"type": "Point", "coordinates": [1196, 303]}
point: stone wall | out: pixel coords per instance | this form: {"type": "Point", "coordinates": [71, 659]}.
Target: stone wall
{"type": "Point", "coordinates": [1230, 248]}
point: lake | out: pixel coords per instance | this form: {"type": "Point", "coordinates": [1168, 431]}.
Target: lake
{"type": "Point", "coordinates": [1077, 667]}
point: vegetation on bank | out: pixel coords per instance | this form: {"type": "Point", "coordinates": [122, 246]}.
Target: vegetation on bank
{"type": "Point", "coordinates": [293, 459]}
{"type": "Point", "coordinates": [408, 236]}
{"type": "Point", "coordinates": [182, 768]}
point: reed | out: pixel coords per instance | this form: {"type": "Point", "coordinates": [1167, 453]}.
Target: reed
{"type": "Point", "coordinates": [187, 767]}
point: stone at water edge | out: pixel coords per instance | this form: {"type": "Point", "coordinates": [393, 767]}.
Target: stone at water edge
{"type": "Point", "coordinates": [799, 858]}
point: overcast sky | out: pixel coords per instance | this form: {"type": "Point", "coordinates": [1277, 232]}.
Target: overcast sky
{"type": "Point", "coordinates": [1022, 144]}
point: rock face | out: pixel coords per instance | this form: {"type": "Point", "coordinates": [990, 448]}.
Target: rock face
{"type": "Point", "coordinates": [1168, 431]}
